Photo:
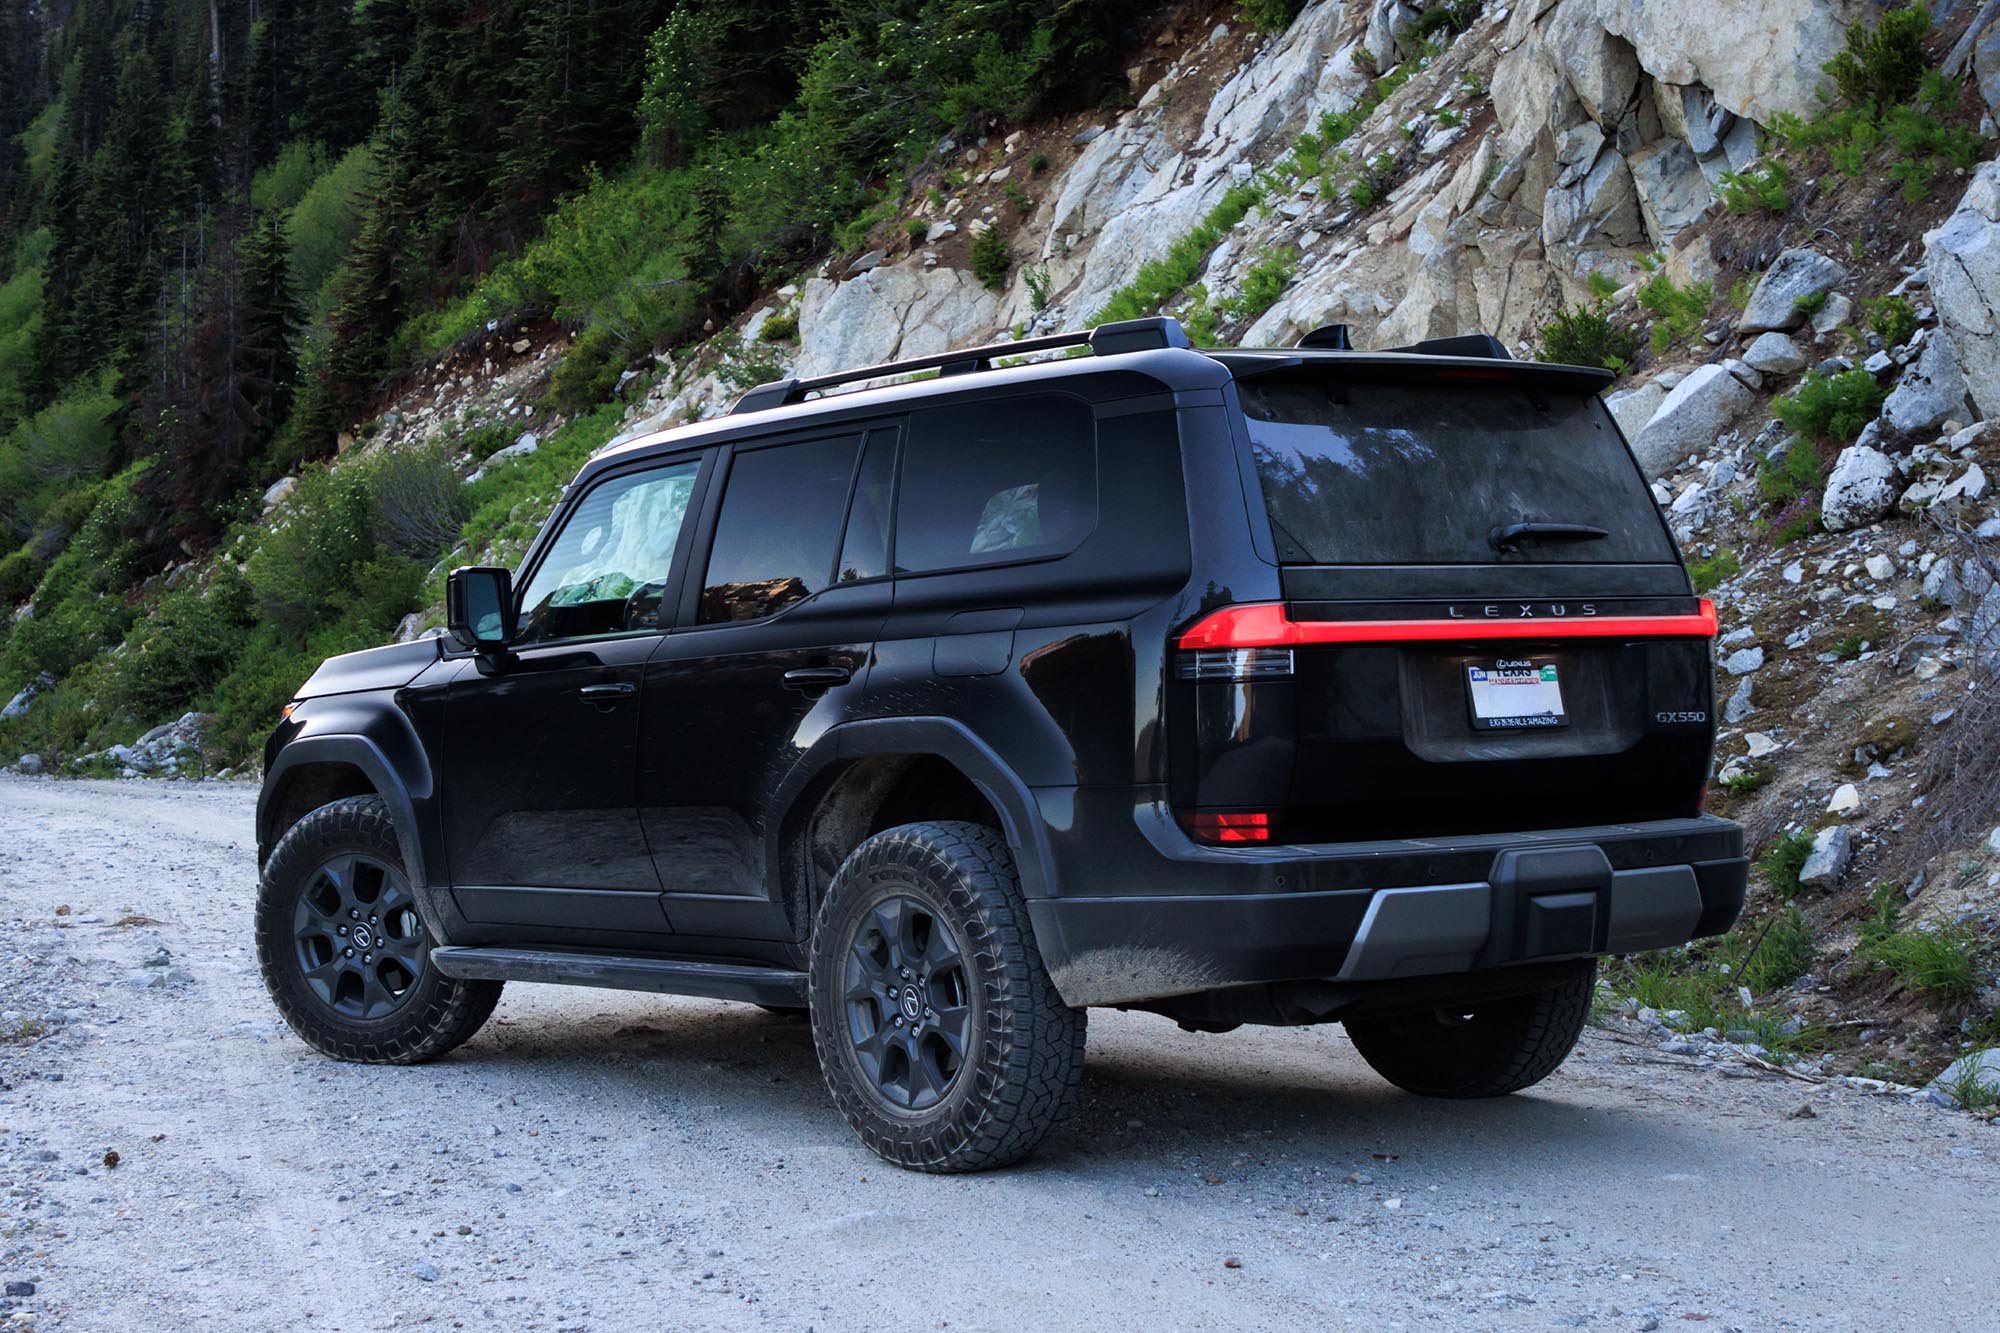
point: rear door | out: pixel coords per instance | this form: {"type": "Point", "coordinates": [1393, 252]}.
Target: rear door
{"type": "Point", "coordinates": [1488, 625]}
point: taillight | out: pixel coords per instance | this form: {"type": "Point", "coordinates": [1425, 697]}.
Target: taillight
{"type": "Point", "coordinates": [1227, 826]}
{"type": "Point", "coordinates": [1236, 664]}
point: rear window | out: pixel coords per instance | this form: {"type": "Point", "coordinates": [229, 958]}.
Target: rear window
{"type": "Point", "coordinates": [1424, 474]}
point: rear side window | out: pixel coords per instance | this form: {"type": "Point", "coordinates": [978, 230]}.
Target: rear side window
{"type": "Point", "coordinates": [994, 482]}
{"type": "Point", "coordinates": [779, 530]}
{"type": "Point", "coordinates": [1435, 474]}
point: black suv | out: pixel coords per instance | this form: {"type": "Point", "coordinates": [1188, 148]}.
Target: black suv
{"type": "Point", "coordinates": [1260, 686]}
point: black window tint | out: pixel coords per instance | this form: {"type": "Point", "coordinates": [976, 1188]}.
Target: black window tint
{"type": "Point", "coordinates": [864, 554]}
{"type": "Point", "coordinates": [1425, 474]}
{"type": "Point", "coordinates": [780, 523]}
{"type": "Point", "coordinates": [991, 482]}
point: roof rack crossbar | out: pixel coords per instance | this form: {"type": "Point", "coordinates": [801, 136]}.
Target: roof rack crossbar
{"type": "Point", "coordinates": [1132, 335]}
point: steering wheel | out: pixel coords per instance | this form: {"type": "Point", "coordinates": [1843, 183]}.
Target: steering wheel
{"type": "Point", "coordinates": [642, 605]}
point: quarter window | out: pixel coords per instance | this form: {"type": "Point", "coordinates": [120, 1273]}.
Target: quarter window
{"type": "Point", "coordinates": [608, 569]}
{"type": "Point", "coordinates": [996, 482]}
{"type": "Point", "coordinates": [779, 530]}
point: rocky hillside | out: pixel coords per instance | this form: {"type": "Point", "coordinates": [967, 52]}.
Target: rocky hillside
{"type": "Point", "coordinates": [1780, 231]}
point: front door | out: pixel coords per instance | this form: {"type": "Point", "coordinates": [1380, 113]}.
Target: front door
{"type": "Point", "coordinates": [541, 753]}
{"type": "Point", "coordinates": [782, 625]}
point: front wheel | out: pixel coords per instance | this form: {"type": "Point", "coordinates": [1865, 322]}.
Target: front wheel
{"type": "Point", "coordinates": [1487, 1049]}
{"type": "Point", "coordinates": [938, 1031]}
{"type": "Point", "coordinates": [343, 952]}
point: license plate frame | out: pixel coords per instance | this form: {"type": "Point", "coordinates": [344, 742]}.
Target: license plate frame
{"type": "Point", "coordinates": [1515, 694]}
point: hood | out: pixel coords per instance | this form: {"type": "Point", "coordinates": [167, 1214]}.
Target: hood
{"type": "Point", "coordinates": [386, 668]}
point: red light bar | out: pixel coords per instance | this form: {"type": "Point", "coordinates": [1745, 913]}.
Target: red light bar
{"type": "Point", "coordinates": [1265, 625]}
{"type": "Point", "coordinates": [1243, 826]}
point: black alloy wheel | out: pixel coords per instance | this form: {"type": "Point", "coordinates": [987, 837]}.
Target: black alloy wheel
{"type": "Point", "coordinates": [909, 1012]}
{"type": "Point", "coordinates": [361, 946]}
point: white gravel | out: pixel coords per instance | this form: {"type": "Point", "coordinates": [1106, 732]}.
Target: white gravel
{"type": "Point", "coordinates": [601, 1161]}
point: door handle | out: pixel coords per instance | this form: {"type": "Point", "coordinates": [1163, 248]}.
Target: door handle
{"type": "Point", "coordinates": [817, 678]}
{"type": "Point", "coordinates": [604, 694]}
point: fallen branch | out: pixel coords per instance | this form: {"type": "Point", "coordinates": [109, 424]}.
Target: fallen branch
{"type": "Point", "coordinates": [1960, 58]}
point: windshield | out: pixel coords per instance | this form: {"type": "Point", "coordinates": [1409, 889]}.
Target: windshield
{"type": "Point", "coordinates": [1431, 474]}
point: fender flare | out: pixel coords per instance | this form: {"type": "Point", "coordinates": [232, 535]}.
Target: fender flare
{"type": "Point", "coordinates": [363, 753]}
{"type": "Point", "coordinates": [949, 740]}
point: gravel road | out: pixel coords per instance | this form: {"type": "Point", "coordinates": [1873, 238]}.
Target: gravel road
{"type": "Point", "coordinates": [601, 1161]}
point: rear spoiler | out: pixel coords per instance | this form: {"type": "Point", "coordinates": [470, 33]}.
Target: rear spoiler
{"type": "Point", "coordinates": [1398, 367]}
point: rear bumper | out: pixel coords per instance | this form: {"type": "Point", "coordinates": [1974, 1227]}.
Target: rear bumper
{"type": "Point", "coordinates": [1144, 914]}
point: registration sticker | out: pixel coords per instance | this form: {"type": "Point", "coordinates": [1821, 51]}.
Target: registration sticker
{"type": "Point", "coordinates": [1513, 695]}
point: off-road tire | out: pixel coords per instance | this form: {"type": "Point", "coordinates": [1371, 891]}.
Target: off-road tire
{"type": "Point", "coordinates": [1486, 1050]}
{"type": "Point", "coordinates": [437, 1012]}
{"type": "Point", "coordinates": [1023, 1053]}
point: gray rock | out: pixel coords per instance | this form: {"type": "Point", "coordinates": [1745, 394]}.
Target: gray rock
{"type": "Point", "coordinates": [873, 259]}
{"type": "Point", "coordinates": [1930, 393]}
{"type": "Point", "coordinates": [1835, 313]}
{"type": "Point", "coordinates": [1673, 192]}
{"type": "Point", "coordinates": [1774, 354]}
{"type": "Point", "coordinates": [1982, 1066]}
{"type": "Point", "coordinates": [1633, 408]}
{"type": "Point", "coordinates": [1862, 488]}
{"type": "Point", "coordinates": [1691, 418]}
{"type": "Point", "coordinates": [1942, 584]}
{"type": "Point", "coordinates": [20, 1288]}
{"type": "Point", "coordinates": [30, 764]}
{"type": "Point", "coordinates": [18, 705]}
{"type": "Point", "coordinates": [1775, 302]}
{"type": "Point", "coordinates": [1964, 262]}
{"type": "Point", "coordinates": [279, 489]}
{"type": "Point", "coordinates": [1739, 705]}
{"type": "Point", "coordinates": [1744, 661]}
{"type": "Point", "coordinates": [1832, 852]}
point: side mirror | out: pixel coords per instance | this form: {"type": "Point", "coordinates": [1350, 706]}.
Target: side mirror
{"type": "Point", "coordinates": [479, 606]}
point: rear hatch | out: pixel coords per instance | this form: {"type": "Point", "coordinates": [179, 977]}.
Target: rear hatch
{"type": "Point", "coordinates": [1486, 626]}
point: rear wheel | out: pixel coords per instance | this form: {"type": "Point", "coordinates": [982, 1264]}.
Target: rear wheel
{"type": "Point", "coordinates": [1484, 1050]}
{"type": "Point", "coordinates": [939, 1033]}
{"type": "Point", "coordinates": [343, 952]}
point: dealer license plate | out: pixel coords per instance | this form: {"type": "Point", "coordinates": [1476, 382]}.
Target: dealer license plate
{"type": "Point", "coordinates": [1514, 695]}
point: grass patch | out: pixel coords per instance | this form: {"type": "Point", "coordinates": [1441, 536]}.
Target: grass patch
{"type": "Point", "coordinates": [1892, 318]}
{"type": "Point", "coordinates": [1159, 281]}
{"type": "Point", "coordinates": [1764, 189]}
{"type": "Point", "coordinates": [1939, 964]}
{"type": "Point", "coordinates": [1708, 574]}
{"type": "Point", "coordinates": [1678, 311]}
{"type": "Point", "coordinates": [1783, 860]}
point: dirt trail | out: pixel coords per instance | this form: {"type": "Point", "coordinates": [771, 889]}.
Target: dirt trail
{"type": "Point", "coordinates": [601, 1161]}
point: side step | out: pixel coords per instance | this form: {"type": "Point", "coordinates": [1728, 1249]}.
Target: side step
{"type": "Point", "coordinates": [776, 986]}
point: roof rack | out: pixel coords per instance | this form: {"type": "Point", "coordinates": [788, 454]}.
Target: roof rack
{"type": "Point", "coordinates": [1130, 335]}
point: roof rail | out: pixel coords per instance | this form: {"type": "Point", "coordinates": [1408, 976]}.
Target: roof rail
{"type": "Point", "coordinates": [1130, 335]}
{"type": "Point", "coordinates": [1465, 344]}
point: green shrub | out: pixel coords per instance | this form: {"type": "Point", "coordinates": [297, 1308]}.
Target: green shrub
{"type": "Point", "coordinates": [1680, 310]}
{"type": "Point", "coordinates": [482, 442]}
{"type": "Point", "coordinates": [1263, 284]}
{"type": "Point", "coordinates": [1892, 318]}
{"type": "Point", "coordinates": [1369, 181]}
{"type": "Point", "coordinates": [1883, 66]}
{"type": "Point", "coordinates": [185, 646]}
{"type": "Point", "coordinates": [1445, 20]}
{"type": "Point", "coordinates": [1787, 475]}
{"type": "Point", "coordinates": [290, 174]}
{"type": "Point", "coordinates": [588, 373]}
{"type": "Point", "coordinates": [1038, 162]}
{"type": "Point", "coordinates": [1831, 407]}
{"type": "Point", "coordinates": [1602, 285]}
{"type": "Point", "coordinates": [323, 224]}
{"type": "Point", "coordinates": [1040, 287]}
{"type": "Point", "coordinates": [1269, 15]}
{"type": "Point", "coordinates": [1936, 963]}
{"type": "Point", "coordinates": [782, 327]}
{"type": "Point", "coordinates": [304, 566]}
{"type": "Point", "coordinates": [416, 502]}
{"type": "Point", "coordinates": [1764, 187]}
{"type": "Point", "coordinates": [1708, 574]}
{"type": "Point", "coordinates": [1748, 780]}
{"type": "Point", "coordinates": [916, 229]}
{"type": "Point", "coordinates": [1783, 860]}
{"type": "Point", "coordinates": [1585, 336]}
{"type": "Point", "coordinates": [991, 259]}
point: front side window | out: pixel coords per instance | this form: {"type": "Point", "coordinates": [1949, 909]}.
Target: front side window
{"type": "Point", "coordinates": [608, 569]}
{"type": "Point", "coordinates": [780, 528]}
{"type": "Point", "coordinates": [997, 481]}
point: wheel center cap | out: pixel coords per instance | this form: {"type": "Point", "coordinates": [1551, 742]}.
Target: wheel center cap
{"type": "Point", "coordinates": [912, 1003]}
{"type": "Point", "coordinates": [363, 938]}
